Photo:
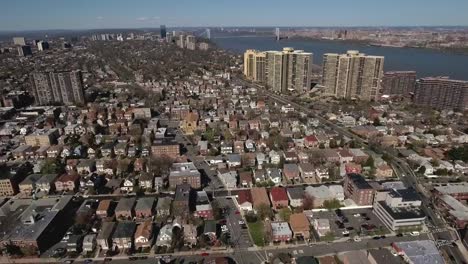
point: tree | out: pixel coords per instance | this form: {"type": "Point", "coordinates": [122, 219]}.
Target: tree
{"type": "Point", "coordinates": [459, 153]}
{"type": "Point", "coordinates": [308, 202]}
{"type": "Point", "coordinates": [333, 143]}
{"type": "Point", "coordinates": [285, 214]}
{"type": "Point", "coordinates": [332, 204]}
{"type": "Point", "coordinates": [422, 170]}
{"type": "Point", "coordinates": [264, 211]}
{"type": "Point", "coordinates": [369, 162]}
{"type": "Point", "coordinates": [160, 166]}
{"type": "Point", "coordinates": [52, 166]}
{"type": "Point", "coordinates": [377, 122]}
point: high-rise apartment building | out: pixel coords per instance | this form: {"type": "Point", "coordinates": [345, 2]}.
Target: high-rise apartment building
{"type": "Point", "coordinates": [281, 71]}
{"type": "Point", "coordinates": [20, 41]}
{"type": "Point", "coordinates": [57, 87]}
{"type": "Point", "coordinates": [255, 65]}
{"type": "Point", "coordinates": [24, 51]}
{"type": "Point", "coordinates": [441, 93]}
{"type": "Point", "coordinates": [163, 31]}
{"type": "Point", "coordinates": [190, 42]}
{"type": "Point", "coordinates": [288, 70]}
{"type": "Point", "coordinates": [42, 45]}
{"type": "Point", "coordinates": [399, 82]}
{"type": "Point", "coordinates": [352, 75]}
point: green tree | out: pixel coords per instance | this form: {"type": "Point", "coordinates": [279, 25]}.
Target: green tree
{"type": "Point", "coordinates": [285, 214]}
{"type": "Point", "coordinates": [332, 204]}
{"type": "Point", "coordinates": [264, 211]}
{"type": "Point", "coordinates": [52, 166]}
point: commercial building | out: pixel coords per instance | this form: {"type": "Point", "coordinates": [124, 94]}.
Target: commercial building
{"type": "Point", "coordinates": [454, 211]}
{"type": "Point", "coordinates": [458, 191]}
{"type": "Point", "coordinates": [163, 31]}
{"type": "Point", "coordinates": [419, 252]}
{"type": "Point", "coordinates": [184, 172]}
{"type": "Point", "coordinates": [255, 65]}
{"type": "Point", "coordinates": [358, 189]}
{"type": "Point", "coordinates": [399, 82]}
{"type": "Point", "coordinates": [165, 148]}
{"type": "Point", "coordinates": [399, 209]}
{"type": "Point", "coordinates": [42, 137]}
{"type": "Point", "coordinates": [57, 87]}
{"type": "Point", "coordinates": [352, 75]}
{"type": "Point", "coordinates": [441, 93]}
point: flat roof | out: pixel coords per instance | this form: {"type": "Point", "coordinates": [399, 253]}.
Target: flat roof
{"type": "Point", "coordinates": [421, 251]}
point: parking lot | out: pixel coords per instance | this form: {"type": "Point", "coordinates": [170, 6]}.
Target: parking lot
{"type": "Point", "coordinates": [239, 235]}
{"type": "Point", "coordinates": [349, 223]}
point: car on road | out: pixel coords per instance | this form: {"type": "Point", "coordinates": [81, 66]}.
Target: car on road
{"type": "Point", "coordinates": [414, 233]}
{"type": "Point", "coordinates": [88, 261]}
{"type": "Point", "coordinates": [357, 239]}
{"type": "Point", "coordinates": [204, 254]}
{"type": "Point", "coordinates": [237, 212]}
{"type": "Point", "coordinates": [399, 235]}
{"type": "Point", "coordinates": [376, 238]}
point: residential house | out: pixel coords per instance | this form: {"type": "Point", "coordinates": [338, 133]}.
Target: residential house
{"type": "Point", "coordinates": [46, 183]}
{"type": "Point", "coordinates": [181, 203]}
{"type": "Point", "coordinates": [145, 181]}
{"type": "Point", "coordinates": [307, 172]}
{"type": "Point", "coordinates": [279, 198]}
{"type": "Point", "coordinates": [274, 175]}
{"type": "Point", "coordinates": [28, 185]}
{"type": "Point", "coordinates": [163, 206]}
{"type": "Point", "coordinates": [321, 226]}
{"type": "Point", "coordinates": [89, 243]}
{"type": "Point", "coordinates": [190, 235]}
{"type": "Point", "coordinates": [300, 225]}
{"type": "Point", "coordinates": [383, 171]}
{"type": "Point", "coordinates": [245, 179]}
{"type": "Point", "coordinates": [123, 235]}
{"type": "Point", "coordinates": [104, 237]}
{"type": "Point", "coordinates": [125, 208]}
{"type": "Point", "coordinates": [164, 238]}
{"type": "Point", "coordinates": [260, 175]}
{"type": "Point", "coordinates": [185, 172]}
{"type": "Point", "coordinates": [319, 194]}
{"type": "Point", "coordinates": [244, 200]}
{"type": "Point", "coordinates": [296, 196]}
{"type": "Point", "coordinates": [67, 182]}
{"type": "Point", "coordinates": [291, 172]}
{"type": "Point", "coordinates": [104, 208]}
{"type": "Point", "coordinates": [275, 157]}
{"type": "Point", "coordinates": [204, 211]}
{"type": "Point", "coordinates": [234, 160]}
{"type": "Point", "coordinates": [144, 207]}
{"type": "Point", "coordinates": [228, 178]}
{"type": "Point", "coordinates": [143, 235]}
{"type": "Point", "coordinates": [280, 232]}
{"type": "Point", "coordinates": [259, 197]}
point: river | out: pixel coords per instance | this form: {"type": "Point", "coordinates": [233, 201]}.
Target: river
{"type": "Point", "coordinates": [425, 62]}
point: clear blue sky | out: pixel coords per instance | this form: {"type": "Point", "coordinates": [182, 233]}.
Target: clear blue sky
{"type": "Point", "coordinates": [84, 14]}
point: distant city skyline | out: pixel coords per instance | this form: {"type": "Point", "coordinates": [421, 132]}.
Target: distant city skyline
{"type": "Point", "coordinates": [21, 15]}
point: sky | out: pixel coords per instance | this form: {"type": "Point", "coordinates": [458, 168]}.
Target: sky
{"type": "Point", "coordinates": [90, 14]}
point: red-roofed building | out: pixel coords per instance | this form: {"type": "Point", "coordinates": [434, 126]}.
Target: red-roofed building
{"type": "Point", "coordinates": [311, 141]}
{"type": "Point", "coordinates": [279, 197]}
{"type": "Point", "coordinates": [244, 199]}
{"type": "Point", "coordinates": [353, 168]}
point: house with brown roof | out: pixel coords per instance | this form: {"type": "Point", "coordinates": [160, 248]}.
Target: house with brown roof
{"type": "Point", "coordinates": [300, 225]}
{"type": "Point", "coordinates": [291, 172]}
{"type": "Point", "coordinates": [144, 235]}
{"type": "Point", "coordinates": [244, 200]}
{"type": "Point", "coordinates": [259, 197]}
{"type": "Point", "coordinates": [245, 179]}
{"type": "Point", "coordinates": [279, 197]}
{"type": "Point", "coordinates": [67, 182]}
{"type": "Point", "coordinates": [383, 171]}
{"type": "Point", "coordinates": [125, 208]}
{"type": "Point", "coordinates": [189, 123]}
{"type": "Point", "coordinates": [104, 208]}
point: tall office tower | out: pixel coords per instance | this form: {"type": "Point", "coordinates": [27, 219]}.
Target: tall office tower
{"type": "Point", "coordinates": [208, 33]}
{"type": "Point", "coordinates": [20, 41]}
{"type": "Point", "coordinates": [288, 70]}
{"type": "Point", "coordinates": [255, 65]}
{"type": "Point", "coordinates": [24, 51]}
{"type": "Point", "coordinates": [163, 31]}
{"type": "Point", "coordinates": [42, 45]}
{"type": "Point", "coordinates": [441, 93]}
{"type": "Point", "coordinates": [277, 34]}
{"type": "Point", "coordinates": [190, 42]}
{"type": "Point", "coordinates": [352, 75]}
{"type": "Point", "coordinates": [399, 82]}
{"type": "Point", "coordinates": [57, 87]}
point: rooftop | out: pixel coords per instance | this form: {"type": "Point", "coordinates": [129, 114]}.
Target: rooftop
{"type": "Point", "coordinates": [421, 252]}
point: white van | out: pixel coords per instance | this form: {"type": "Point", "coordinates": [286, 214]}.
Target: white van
{"type": "Point", "coordinates": [414, 233]}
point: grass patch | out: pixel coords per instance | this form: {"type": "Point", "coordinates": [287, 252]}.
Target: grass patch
{"type": "Point", "coordinates": [257, 232]}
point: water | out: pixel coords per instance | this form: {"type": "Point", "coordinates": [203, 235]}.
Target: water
{"type": "Point", "coordinates": [425, 62]}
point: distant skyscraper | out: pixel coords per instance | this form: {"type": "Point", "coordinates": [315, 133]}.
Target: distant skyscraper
{"type": "Point", "coordinates": [20, 41]}
{"type": "Point", "coordinates": [208, 33]}
{"type": "Point", "coordinates": [277, 34]}
{"type": "Point", "coordinates": [57, 87]}
{"type": "Point", "coordinates": [24, 51]}
{"type": "Point", "coordinates": [190, 42]}
{"type": "Point", "coordinates": [399, 82]}
{"type": "Point", "coordinates": [352, 75]}
{"type": "Point", "coordinates": [255, 65]}
{"type": "Point", "coordinates": [181, 42]}
{"type": "Point", "coordinates": [280, 70]}
{"type": "Point", "coordinates": [163, 32]}
{"type": "Point", "coordinates": [442, 93]}
{"type": "Point", "coordinates": [42, 45]}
